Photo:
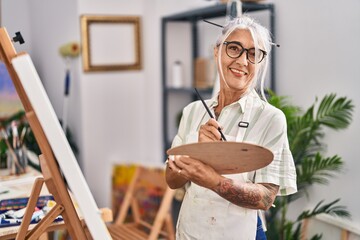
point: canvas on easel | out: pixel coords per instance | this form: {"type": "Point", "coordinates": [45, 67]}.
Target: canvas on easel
{"type": "Point", "coordinates": [56, 153]}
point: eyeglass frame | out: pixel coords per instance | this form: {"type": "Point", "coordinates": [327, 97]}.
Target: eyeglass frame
{"type": "Point", "coordinates": [243, 50]}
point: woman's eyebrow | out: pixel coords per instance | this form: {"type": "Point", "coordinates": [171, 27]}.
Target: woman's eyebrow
{"type": "Point", "coordinates": [242, 45]}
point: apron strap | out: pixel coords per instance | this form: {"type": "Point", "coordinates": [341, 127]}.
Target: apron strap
{"type": "Point", "coordinates": [244, 123]}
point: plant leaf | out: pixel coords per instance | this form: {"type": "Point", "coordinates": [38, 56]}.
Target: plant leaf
{"type": "Point", "coordinates": [306, 134]}
{"type": "Point", "coordinates": [335, 113]}
{"type": "Point", "coordinates": [318, 170]}
{"type": "Point", "coordinates": [330, 208]}
{"type": "Point", "coordinates": [283, 103]}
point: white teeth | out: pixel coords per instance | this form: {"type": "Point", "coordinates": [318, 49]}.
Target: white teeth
{"type": "Point", "coordinates": [237, 71]}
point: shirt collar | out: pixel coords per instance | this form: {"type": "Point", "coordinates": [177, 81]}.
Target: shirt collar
{"type": "Point", "coordinates": [242, 101]}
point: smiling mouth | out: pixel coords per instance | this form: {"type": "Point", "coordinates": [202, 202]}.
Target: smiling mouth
{"type": "Point", "coordinates": [237, 72]}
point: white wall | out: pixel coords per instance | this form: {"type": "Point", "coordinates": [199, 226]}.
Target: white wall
{"type": "Point", "coordinates": [319, 55]}
{"type": "Point", "coordinates": [116, 116]}
{"type": "Point", "coordinates": [45, 29]}
{"type": "Point", "coordinates": [17, 21]}
{"type": "Point", "coordinates": [122, 110]}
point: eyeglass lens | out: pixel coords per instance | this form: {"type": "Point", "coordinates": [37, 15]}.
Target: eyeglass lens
{"type": "Point", "coordinates": [235, 50]}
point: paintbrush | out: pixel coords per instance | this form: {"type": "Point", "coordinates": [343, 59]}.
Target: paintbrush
{"type": "Point", "coordinates": [22, 136]}
{"type": "Point", "coordinates": [220, 26]}
{"type": "Point", "coordinates": [15, 135]}
{"type": "Point", "coordinates": [210, 114]}
{"type": "Point", "coordinates": [4, 136]}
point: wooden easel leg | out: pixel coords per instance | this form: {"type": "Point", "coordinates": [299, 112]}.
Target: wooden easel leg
{"type": "Point", "coordinates": [344, 234]}
{"type": "Point", "coordinates": [304, 229]}
{"type": "Point", "coordinates": [44, 236]}
{"type": "Point", "coordinates": [164, 207]}
{"type": "Point", "coordinates": [30, 207]}
{"type": "Point", "coordinates": [169, 226]}
{"type": "Point", "coordinates": [57, 188]}
{"type": "Point", "coordinates": [40, 228]}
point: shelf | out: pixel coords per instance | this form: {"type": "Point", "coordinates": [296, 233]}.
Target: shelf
{"type": "Point", "coordinates": [214, 11]}
{"type": "Point", "coordinates": [174, 99]}
{"type": "Point", "coordinates": [189, 90]}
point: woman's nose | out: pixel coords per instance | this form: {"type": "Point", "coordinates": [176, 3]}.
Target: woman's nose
{"type": "Point", "coordinates": [242, 59]}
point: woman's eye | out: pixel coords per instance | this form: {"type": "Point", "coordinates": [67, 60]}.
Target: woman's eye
{"type": "Point", "coordinates": [252, 52]}
{"type": "Point", "coordinates": [234, 48]}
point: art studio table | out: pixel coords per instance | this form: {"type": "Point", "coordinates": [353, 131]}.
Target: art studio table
{"type": "Point", "coordinates": [20, 186]}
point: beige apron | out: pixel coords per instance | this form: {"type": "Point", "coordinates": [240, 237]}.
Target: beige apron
{"type": "Point", "coordinates": [206, 215]}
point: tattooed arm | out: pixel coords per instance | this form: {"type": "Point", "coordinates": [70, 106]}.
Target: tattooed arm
{"type": "Point", "coordinates": [248, 195]}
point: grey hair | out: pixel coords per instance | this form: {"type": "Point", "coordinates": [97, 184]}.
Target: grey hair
{"type": "Point", "coordinates": [262, 39]}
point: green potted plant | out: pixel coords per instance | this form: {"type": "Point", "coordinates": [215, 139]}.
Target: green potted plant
{"type": "Point", "coordinates": [306, 135]}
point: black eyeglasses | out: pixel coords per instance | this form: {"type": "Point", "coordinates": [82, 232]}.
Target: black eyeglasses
{"type": "Point", "coordinates": [234, 49]}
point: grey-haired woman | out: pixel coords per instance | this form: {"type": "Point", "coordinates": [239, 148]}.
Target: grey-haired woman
{"type": "Point", "coordinates": [226, 206]}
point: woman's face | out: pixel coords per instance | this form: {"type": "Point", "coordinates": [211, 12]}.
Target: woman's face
{"type": "Point", "coordinates": [238, 72]}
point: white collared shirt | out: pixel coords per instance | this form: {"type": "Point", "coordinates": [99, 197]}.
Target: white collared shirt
{"type": "Point", "coordinates": [267, 127]}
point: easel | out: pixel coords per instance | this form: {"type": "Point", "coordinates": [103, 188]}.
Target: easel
{"type": "Point", "coordinates": [50, 170]}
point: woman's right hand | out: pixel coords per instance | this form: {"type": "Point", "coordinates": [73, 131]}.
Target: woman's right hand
{"type": "Point", "coordinates": [209, 132]}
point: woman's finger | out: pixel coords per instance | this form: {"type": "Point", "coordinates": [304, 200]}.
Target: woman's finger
{"type": "Point", "coordinates": [209, 132]}
{"type": "Point", "coordinates": [214, 123]}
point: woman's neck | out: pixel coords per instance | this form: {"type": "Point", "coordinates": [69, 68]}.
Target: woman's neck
{"type": "Point", "coordinates": [227, 97]}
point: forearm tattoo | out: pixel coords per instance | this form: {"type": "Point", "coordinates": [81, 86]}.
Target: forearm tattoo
{"type": "Point", "coordinates": [248, 196]}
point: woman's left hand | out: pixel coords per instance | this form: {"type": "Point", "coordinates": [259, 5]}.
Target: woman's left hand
{"type": "Point", "coordinates": [195, 171]}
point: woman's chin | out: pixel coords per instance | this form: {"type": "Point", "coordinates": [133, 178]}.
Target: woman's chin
{"type": "Point", "coordinates": [237, 87]}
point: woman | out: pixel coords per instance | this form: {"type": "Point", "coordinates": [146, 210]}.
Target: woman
{"type": "Point", "coordinates": [225, 206]}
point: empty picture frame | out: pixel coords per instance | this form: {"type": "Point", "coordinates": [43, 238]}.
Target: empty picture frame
{"type": "Point", "coordinates": [111, 43]}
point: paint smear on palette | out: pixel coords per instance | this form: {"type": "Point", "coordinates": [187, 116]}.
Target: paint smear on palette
{"type": "Point", "coordinates": [9, 100]}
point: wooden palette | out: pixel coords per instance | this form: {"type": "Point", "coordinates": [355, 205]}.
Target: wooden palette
{"type": "Point", "coordinates": [227, 157]}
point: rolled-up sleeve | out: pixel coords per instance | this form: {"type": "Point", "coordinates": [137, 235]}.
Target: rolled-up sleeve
{"type": "Point", "coordinates": [281, 171]}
